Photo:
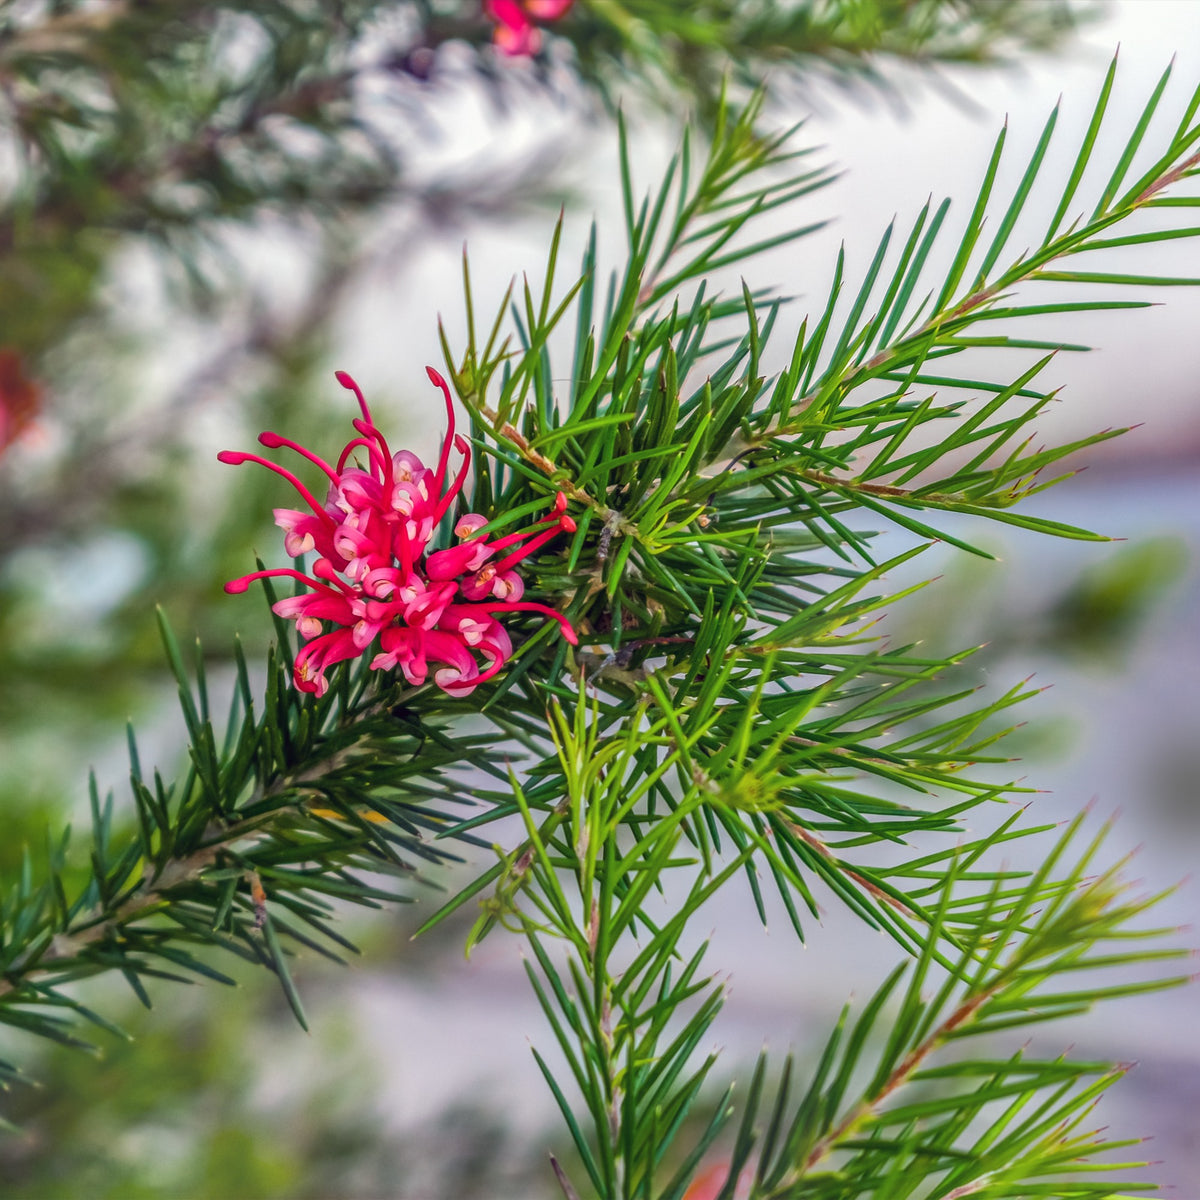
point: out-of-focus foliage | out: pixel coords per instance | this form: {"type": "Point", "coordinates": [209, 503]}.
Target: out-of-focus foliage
{"type": "Point", "coordinates": [180, 1109]}
{"type": "Point", "coordinates": [1101, 611]}
{"type": "Point", "coordinates": [162, 120]}
{"type": "Point", "coordinates": [806, 43]}
{"type": "Point", "coordinates": [1094, 616]}
{"type": "Point", "coordinates": [205, 1101]}
{"type": "Point", "coordinates": [166, 120]}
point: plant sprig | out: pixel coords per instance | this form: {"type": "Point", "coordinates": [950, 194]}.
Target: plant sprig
{"type": "Point", "coordinates": [730, 711]}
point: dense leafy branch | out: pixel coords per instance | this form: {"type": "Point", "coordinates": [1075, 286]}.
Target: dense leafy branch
{"type": "Point", "coordinates": [171, 126]}
{"type": "Point", "coordinates": [687, 498]}
{"type": "Point", "coordinates": [722, 491]}
{"type": "Point", "coordinates": [821, 414]}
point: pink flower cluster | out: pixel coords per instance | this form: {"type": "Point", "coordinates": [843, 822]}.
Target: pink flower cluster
{"type": "Point", "coordinates": [516, 34]}
{"type": "Point", "coordinates": [374, 580]}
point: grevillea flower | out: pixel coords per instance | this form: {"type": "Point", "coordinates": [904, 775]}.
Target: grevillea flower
{"type": "Point", "coordinates": [516, 34]}
{"type": "Point", "coordinates": [375, 581]}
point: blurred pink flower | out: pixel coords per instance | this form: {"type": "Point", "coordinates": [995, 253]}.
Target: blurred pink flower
{"type": "Point", "coordinates": [709, 1184]}
{"type": "Point", "coordinates": [374, 578]}
{"type": "Point", "coordinates": [516, 34]}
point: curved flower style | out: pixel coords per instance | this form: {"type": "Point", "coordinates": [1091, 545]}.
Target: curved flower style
{"type": "Point", "coordinates": [516, 34]}
{"type": "Point", "coordinates": [374, 578]}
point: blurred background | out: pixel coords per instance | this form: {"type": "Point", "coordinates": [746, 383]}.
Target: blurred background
{"type": "Point", "coordinates": [211, 224]}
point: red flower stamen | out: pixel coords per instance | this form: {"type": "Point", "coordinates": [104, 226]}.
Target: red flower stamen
{"type": "Point", "coordinates": [235, 458]}
{"type": "Point", "coordinates": [375, 455]}
{"type": "Point", "coordinates": [444, 460]}
{"type": "Point", "coordinates": [324, 569]}
{"type": "Point", "coordinates": [522, 552]}
{"type": "Point", "coordinates": [273, 441]}
{"type": "Point", "coordinates": [464, 448]}
{"type": "Point", "coordinates": [347, 381]}
{"type": "Point", "coordinates": [236, 586]}
{"type": "Point", "coordinates": [530, 606]}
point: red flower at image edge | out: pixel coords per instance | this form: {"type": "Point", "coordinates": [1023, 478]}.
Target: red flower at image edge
{"type": "Point", "coordinates": [374, 579]}
{"type": "Point", "coordinates": [20, 398]}
{"type": "Point", "coordinates": [516, 34]}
